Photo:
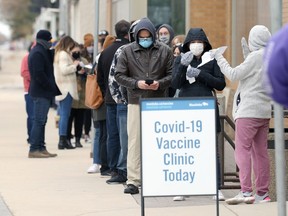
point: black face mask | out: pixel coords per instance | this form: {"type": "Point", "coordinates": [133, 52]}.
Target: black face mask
{"type": "Point", "coordinates": [76, 55]}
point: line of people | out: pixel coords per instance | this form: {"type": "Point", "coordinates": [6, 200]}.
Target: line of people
{"type": "Point", "coordinates": [142, 62]}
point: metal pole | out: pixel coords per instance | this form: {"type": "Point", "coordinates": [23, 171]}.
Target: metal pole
{"type": "Point", "coordinates": [276, 24]}
{"type": "Point", "coordinates": [63, 18]}
{"type": "Point", "coordinates": [280, 159]}
{"type": "Point", "coordinates": [96, 29]}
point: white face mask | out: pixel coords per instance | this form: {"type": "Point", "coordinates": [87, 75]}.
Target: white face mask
{"type": "Point", "coordinates": [196, 48]}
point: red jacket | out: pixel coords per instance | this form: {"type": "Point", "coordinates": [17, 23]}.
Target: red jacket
{"type": "Point", "coordinates": [25, 72]}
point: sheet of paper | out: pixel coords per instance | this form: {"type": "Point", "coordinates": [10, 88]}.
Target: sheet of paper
{"type": "Point", "coordinates": [89, 66]}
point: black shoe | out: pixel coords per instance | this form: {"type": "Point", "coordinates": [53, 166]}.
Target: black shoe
{"type": "Point", "coordinates": [64, 143]}
{"type": "Point", "coordinates": [106, 173]}
{"type": "Point", "coordinates": [118, 179]}
{"type": "Point", "coordinates": [131, 189]}
{"type": "Point", "coordinates": [77, 143]}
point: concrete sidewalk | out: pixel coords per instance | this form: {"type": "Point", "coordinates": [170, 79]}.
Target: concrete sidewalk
{"type": "Point", "coordinates": [61, 187]}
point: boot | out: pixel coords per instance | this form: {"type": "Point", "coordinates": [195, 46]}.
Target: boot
{"type": "Point", "coordinates": [77, 143]}
{"type": "Point", "coordinates": [64, 143]}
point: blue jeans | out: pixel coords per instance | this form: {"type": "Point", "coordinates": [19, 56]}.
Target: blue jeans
{"type": "Point", "coordinates": [29, 105]}
{"type": "Point", "coordinates": [122, 128]}
{"type": "Point", "coordinates": [100, 144]}
{"type": "Point", "coordinates": [41, 109]}
{"type": "Point", "coordinates": [64, 112]}
{"type": "Point", "coordinates": [113, 144]}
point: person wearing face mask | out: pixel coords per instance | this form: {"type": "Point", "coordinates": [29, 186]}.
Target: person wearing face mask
{"type": "Point", "coordinates": [165, 34]}
{"type": "Point", "coordinates": [89, 46]}
{"type": "Point", "coordinates": [144, 76]}
{"type": "Point", "coordinates": [42, 89]}
{"type": "Point", "coordinates": [78, 106]}
{"type": "Point", "coordinates": [197, 82]}
{"type": "Point", "coordinates": [65, 68]}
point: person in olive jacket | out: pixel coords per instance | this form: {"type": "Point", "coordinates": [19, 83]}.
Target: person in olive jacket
{"type": "Point", "coordinates": [42, 89]}
{"type": "Point", "coordinates": [145, 69]}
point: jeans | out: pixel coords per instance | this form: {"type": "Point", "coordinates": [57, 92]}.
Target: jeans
{"type": "Point", "coordinates": [100, 145]}
{"type": "Point", "coordinates": [64, 112]}
{"type": "Point", "coordinates": [41, 109]}
{"type": "Point", "coordinates": [122, 128]}
{"type": "Point", "coordinates": [113, 144]}
{"type": "Point", "coordinates": [29, 105]}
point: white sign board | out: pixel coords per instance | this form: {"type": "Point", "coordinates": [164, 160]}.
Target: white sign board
{"type": "Point", "coordinates": [178, 146]}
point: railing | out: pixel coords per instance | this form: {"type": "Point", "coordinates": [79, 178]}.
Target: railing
{"type": "Point", "coordinates": [226, 177]}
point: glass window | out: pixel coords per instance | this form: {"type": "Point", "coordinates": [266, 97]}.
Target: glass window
{"type": "Point", "coordinates": [170, 12]}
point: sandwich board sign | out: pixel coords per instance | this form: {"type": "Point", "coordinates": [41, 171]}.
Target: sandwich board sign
{"type": "Point", "coordinates": [178, 146]}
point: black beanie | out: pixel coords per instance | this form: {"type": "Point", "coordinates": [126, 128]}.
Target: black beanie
{"type": "Point", "coordinates": [44, 35]}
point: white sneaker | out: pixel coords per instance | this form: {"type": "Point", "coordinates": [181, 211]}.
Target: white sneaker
{"type": "Point", "coordinates": [220, 196]}
{"type": "Point", "coordinates": [179, 198]}
{"type": "Point", "coordinates": [242, 197]}
{"type": "Point", "coordinates": [94, 168]}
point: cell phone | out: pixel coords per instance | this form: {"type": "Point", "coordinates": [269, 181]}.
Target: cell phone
{"type": "Point", "coordinates": [149, 81]}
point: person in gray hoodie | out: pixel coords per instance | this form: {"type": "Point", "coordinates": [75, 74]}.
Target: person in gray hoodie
{"type": "Point", "coordinates": [251, 112]}
{"type": "Point", "coordinates": [144, 68]}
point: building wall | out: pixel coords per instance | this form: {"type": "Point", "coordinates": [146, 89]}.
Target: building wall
{"type": "Point", "coordinates": [285, 12]}
{"type": "Point", "coordinates": [214, 17]}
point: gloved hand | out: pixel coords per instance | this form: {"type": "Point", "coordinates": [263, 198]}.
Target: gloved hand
{"type": "Point", "coordinates": [186, 58]}
{"type": "Point", "coordinates": [214, 53]}
{"type": "Point", "coordinates": [245, 48]}
{"type": "Point", "coordinates": [192, 72]}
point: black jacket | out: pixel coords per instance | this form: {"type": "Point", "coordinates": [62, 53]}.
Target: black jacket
{"type": "Point", "coordinates": [210, 77]}
{"type": "Point", "coordinates": [103, 68]}
{"type": "Point", "coordinates": [40, 63]}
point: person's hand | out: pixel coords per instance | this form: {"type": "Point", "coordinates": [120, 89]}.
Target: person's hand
{"type": "Point", "coordinates": [214, 53]}
{"type": "Point", "coordinates": [76, 62]}
{"type": "Point", "coordinates": [143, 85]}
{"type": "Point", "coordinates": [186, 58]}
{"type": "Point", "coordinates": [192, 72]}
{"type": "Point", "coordinates": [245, 47]}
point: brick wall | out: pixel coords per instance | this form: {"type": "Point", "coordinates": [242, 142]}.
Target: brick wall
{"type": "Point", "coordinates": [214, 17]}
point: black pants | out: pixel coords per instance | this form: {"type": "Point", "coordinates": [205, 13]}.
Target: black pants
{"type": "Point", "coordinates": [76, 115]}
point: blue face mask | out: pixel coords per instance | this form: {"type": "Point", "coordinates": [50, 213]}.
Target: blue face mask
{"type": "Point", "coordinates": [145, 42]}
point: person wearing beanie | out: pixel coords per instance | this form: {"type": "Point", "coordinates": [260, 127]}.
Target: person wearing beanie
{"type": "Point", "coordinates": [252, 113]}
{"type": "Point", "coordinates": [42, 89]}
{"type": "Point", "coordinates": [165, 34]}
{"type": "Point", "coordinates": [103, 69]}
{"type": "Point", "coordinates": [144, 76]}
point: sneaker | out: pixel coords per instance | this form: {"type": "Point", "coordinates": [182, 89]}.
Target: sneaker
{"type": "Point", "coordinates": [220, 196]}
{"type": "Point", "coordinates": [118, 179]}
{"type": "Point", "coordinates": [131, 189]}
{"type": "Point", "coordinates": [242, 197]}
{"type": "Point", "coordinates": [179, 198]}
{"type": "Point", "coordinates": [95, 168]}
{"type": "Point", "coordinates": [262, 199]}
